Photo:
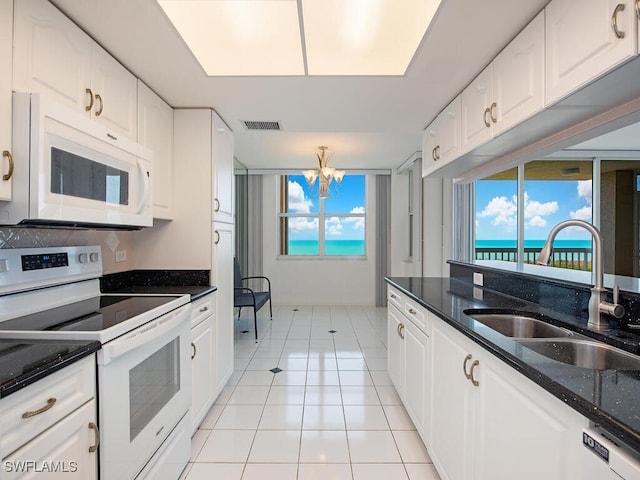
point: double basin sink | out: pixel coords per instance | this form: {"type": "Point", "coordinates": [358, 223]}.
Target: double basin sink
{"type": "Point", "coordinates": [557, 343]}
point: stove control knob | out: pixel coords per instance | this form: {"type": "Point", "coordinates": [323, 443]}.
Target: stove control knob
{"type": "Point", "coordinates": [83, 258]}
{"type": "Point", "coordinates": [94, 257]}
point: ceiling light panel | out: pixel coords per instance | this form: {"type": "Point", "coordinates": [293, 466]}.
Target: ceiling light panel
{"type": "Point", "coordinates": [240, 37]}
{"type": "Point", "coordinates": [364, 37]}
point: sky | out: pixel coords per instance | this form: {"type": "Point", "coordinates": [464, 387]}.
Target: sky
{"type": "Point", "coordinates": [347, 197]}
{"type": "Point", "coordinates": [547, 202]}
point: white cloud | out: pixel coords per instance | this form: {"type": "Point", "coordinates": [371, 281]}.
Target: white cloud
{"type": "Point", "coordinates": [358, 222]}
{"type": "Point", "coordinates": [297, 201]}
{"type": "Point", "coordinates": [583, 213]}
{"type": "Point", "coordinates": [357, 210]}
{"type": "Point", "coordinates": [502, 210]}
{"type": "Point", "coordinates": [334, 226]}
{"type": "Point", "coordinates": [537, 221]}
{"type": "Point", "coordinates": [585, 190]}
{"type": "Point", "coordinates": [301, 224]}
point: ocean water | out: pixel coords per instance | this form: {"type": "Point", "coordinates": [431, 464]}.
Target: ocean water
{"type": "Point", "coordinates": [331, 247]}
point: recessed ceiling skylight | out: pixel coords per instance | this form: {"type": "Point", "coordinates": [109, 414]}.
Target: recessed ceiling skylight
{"type": "Point", "coordinates": [266, 37]}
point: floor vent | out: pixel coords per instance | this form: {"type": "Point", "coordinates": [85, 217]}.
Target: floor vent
{"type": "Point", "coordinates": [254, 125]}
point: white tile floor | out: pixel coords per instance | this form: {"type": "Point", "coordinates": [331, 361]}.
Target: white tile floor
{"type": "Point", "coordinates": [330, 414]}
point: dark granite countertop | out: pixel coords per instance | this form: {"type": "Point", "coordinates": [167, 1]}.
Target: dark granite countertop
{"type": "Point", "coordinates": [196, 291]}
{"type": "Point", "coordinates": [609, 397]}
{"type": "Point", "coordinates": [154, 282]}
{"type": "Point", "coordinates": [23, 362]}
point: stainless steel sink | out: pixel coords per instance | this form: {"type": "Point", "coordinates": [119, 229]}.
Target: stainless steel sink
{"type": "Point", "coordinates": [520, 326]}
{"type": "Point", "coordinates": [584, 354]}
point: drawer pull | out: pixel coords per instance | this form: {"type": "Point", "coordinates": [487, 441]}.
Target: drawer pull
{"type": "Point", "coordinates": [473, 366]}
{"type": "Point", "coordinates": [412, 311]}
{"type": "Point", "coordinates": [464, 366]}
{"type": "Point", "coordinates": [33, 413]}
{"type": "Point", "coordinates": [204, 309]}
{"type": "Point", "coordinates": [393, 295]}
{"type": "Point", "coordinates": [96, 434]}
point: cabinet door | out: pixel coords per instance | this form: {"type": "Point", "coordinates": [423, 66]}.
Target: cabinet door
{"type": "Point", "coordinates": [416, 374]}
{"type": "Point", "coordinates": [582, 44]}
{"type": "Point", "coordinates": [222, 170]}
{"type": "Point", "coordinates": [518, 77]}
{"type": "Point", "coordinates": [451, 406]}
{"type": "Point", "coordinates": [6, 39]}
{"type": "Point", "coordinates": [429, 148]}
{"type": "Point", "coordinates": [65, 446]}
{"type": "Point", "coordinates": [202, 378]}
{"type": "Point", "coordinates": [223, 279]}
{"type": "Point", "coordinates": [476, 111]}
{"type": "Point", "coordinates": [395, 348]}
{"type": "Point", "coordinates": [116, 93]}
{"type": "Point", "coordinates": [155, 131]}
{"type": "Point", "coordinates": [51, 54]}
{"type": "Point", "coordinates": [522, 431]}
{"type": "Point", "coordinates": [449, 132]}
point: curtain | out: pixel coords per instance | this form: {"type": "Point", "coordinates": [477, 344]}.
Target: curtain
{"type": "Point", "coordinates": [383, 206]}
{"type": "Point", "coordinates": [254, 228]}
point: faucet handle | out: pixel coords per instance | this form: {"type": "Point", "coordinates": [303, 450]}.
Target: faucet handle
{"type": "Point", "coordinates": [616, 293]}
{"type": "Point", "coordinates": [616, 310]}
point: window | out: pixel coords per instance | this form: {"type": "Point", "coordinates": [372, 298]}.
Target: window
{"type": "Point", "coordinates": [514, 217]}
{"type": "Point", "coordinates": [331, 227]}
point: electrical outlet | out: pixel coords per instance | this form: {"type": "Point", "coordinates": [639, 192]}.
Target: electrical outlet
{"type": "Point", "coordinates": [121, 256]}
{"type": "Point", "coordinates": [478, 279]}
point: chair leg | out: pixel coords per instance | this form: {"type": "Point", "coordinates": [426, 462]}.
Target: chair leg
{"type": "Point", "coordinates": [255, 323]}
{"type": "Point", "coordinates": [239, 310]}
{"type": "Point", "coordinates": [270, 310]}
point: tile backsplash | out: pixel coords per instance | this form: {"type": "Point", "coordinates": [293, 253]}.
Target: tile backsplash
{"type": "Point", "coordinates": [110, 241]}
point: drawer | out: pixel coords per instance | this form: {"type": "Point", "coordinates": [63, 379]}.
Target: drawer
{"type": "Point", "coordinates": [202, 308]}
{"type": "Point", "coordinates": [416, 314]}
{"type": "Point", "coordinates": [71, 387]}
{"type": "Point", "coordinates": [395, 298]}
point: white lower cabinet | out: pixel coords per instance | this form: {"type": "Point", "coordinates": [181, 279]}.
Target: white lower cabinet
{"type": "Point", "coordinates": [50, 429]}
{"type": "Point", "coordinates": [490, 422]}
{"type": "Point", "coordinates": [408, 362]}
{"type": "Point", "coordinates": [203, 379]}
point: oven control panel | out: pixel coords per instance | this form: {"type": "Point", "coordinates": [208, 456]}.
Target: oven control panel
{"type": "Point", "coordinates": [28, 268]}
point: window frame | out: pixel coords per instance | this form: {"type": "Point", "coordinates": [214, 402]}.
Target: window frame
{"type": "Point", "coordinates": [322, 216]}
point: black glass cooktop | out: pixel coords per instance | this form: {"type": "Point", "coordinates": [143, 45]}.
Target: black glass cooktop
{"type": "Point", "coordinates": [92, 315]}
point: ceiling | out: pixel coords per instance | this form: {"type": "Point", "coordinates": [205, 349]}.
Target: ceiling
{"type": "Point", "coordinates": [368, 122]}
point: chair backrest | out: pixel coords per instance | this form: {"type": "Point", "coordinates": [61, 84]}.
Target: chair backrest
{"type": "Point", "coordinates": [237, 274]}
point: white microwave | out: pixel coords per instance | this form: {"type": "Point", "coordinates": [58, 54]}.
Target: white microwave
{"type": "Point", "coordinates": [71, 171]}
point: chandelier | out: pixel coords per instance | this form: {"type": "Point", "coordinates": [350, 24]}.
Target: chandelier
{"type": "Point", "coordinates": [324, 172]}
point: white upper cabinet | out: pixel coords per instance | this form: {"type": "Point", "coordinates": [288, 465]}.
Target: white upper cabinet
{"type": "Point", "coordinates": [508, 91]}
{"type": "Point", "coordinates": [6, 162]}
{"type": "Point", "coordinates": [155, 131]}
{"type": "Point", "coordinates": [584, 40]}
{"type": "Point", "coordinates": [441, 139]}
{"type": "Point", "coordinates": [222, 169]}
{"type": "Point", "coordinates": [53, 56]}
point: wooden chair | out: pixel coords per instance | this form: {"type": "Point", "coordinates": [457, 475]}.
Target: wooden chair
{"type": "Point", "coordinates": [246, 297]}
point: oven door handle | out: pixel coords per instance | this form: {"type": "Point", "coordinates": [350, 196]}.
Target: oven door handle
{"type": "Point", "coordinates": [144, 334]}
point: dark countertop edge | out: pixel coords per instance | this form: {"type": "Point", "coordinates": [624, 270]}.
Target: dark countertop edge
{"type": "Point", "coordinates": [206, 291]}
{"type": "Point", "coordinates": [26, 379]}
{"type": "Point", "coordinates": [582, 406]}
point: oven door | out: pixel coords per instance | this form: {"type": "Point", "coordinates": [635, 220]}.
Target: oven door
{"type": "Point", "coordinates": [144, 389]}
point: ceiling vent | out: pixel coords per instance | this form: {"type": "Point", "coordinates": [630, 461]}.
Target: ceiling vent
{"type": "Point", "coordinates": [253, 125]}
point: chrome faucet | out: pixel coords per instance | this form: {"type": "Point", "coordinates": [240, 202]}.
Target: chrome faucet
{"type": "Point", "coordinates": [597, 304]}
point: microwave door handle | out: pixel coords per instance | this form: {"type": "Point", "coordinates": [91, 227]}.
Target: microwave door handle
{"type": "Point", "coordinates": [144, 334]}
{"type": "Point", "coordinates": [146, 187]}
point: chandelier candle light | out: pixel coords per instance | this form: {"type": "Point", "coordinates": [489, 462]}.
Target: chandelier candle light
{"type": "Point", "coordinates": [325, 172]}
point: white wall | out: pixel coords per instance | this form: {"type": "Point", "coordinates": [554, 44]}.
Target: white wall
{"type": "Point", "coordinates": [296, 281]}
{"type": "Point", "coordinates": [438, 228]}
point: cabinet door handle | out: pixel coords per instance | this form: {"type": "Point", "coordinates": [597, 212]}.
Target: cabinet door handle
{"type": "Point", "coordinates": [614, 20]}
{"type": "Point", "coordinates": [437, 152]}
{"type": "Point", "coordinates": [484, 118]}
{"type": "Point", "coordinates": [402, 331]}
{"type": "Point", "coordinates": [433, 154]}
{"type": "Point", "coordinates": [473, 366]}
{"type": "Point", "coordinates": [7, 154]}
{"type": "Point", "coordinates": [217, 240]}
{"type": "Point", "coordinates": [99, 111]}
{"type": "Point", "coordinates": [492, 112]}
{"type": "Point", "coordinates": [33, 413]}
{"type": "Point", "coordinates": [216, 205]}
{"type": "Point", "coordinates": [464, 366]}
{"type": "Point", "coordinates": [96, 434]}
{"type": "Point", "coordinates": [89, 107]}
{"type": "Point", "coordinates": [194, 350]}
